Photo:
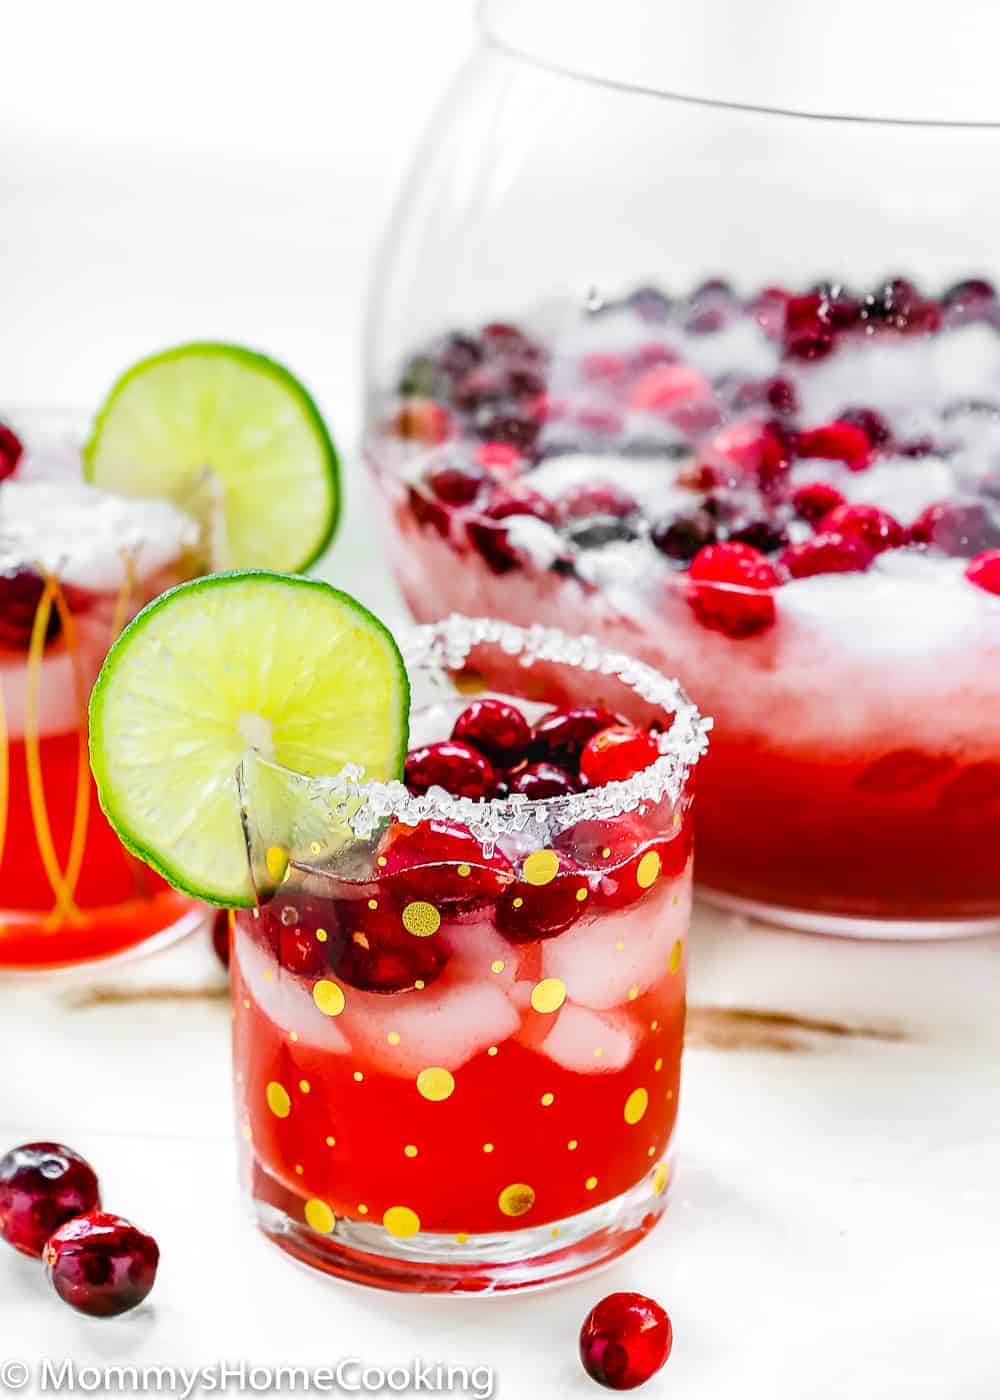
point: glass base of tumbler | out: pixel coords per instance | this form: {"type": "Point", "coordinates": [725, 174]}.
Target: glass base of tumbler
{"type": "Point", "coordinates": [532, 1258]}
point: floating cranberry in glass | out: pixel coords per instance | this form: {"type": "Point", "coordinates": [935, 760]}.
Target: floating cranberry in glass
{"type": "Point", "coordinates": [597, 498]}
{"type": "Point", "coordinates": [20, 594]}
{"type": "Point", "coordinates": [614, 754]}
{"type": "Point", "coordinates": [559, 736]}
{"type": "Point", "coordinates": [876, 528]}
{"type": "Point", "coordinates": [10, 451]}
{"type": "Point", "coordinates": [680, 537]}
{"type": "Point", "coordinates": [374, 952]}
{"type": "Point", "coordinates": [540, 780]}
{"type": "Point", "coordinates": [838, 441]}
{"type": "Point", "coordinates": [440, 861]}
{"type": "Point", "coordinates": [462, 770]}
{"type": "Point", "coordinates": [496, 729]}
{"type": "Point", "coordinates": [220, 936]}
{"type": "Point", "coordinates": [872, 424]}
{"type": "Point", "coordinates": [730, 589]}
{"type": "Point", "coordinates": [528, 910]}
{"type": "Point", "coordinates": [100, 1264]}
{"type": "Point", "coordinates": [826, 553]}
{"type": "Point", "coordinates": [625, 1340]}
{"type": "Point", "coordinates": [42, 1185]}
{"type": "Point", "coordinates": [815, 499]}
{"type": "Point", "coordinates": [423, 421]}
{"type": "Point", "coordinates": [960, 528]}
{"type": "Point", "coordinates": [457, 483]}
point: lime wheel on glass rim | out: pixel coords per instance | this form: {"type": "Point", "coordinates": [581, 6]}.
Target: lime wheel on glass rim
{"type": "Point", "coordinates": [287, 667]}
{"type": "Point", "coordinates": [232, 436]}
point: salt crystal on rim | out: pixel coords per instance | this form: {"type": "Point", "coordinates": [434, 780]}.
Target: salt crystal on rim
{"type": "Point", "coordinates": [88, 537]}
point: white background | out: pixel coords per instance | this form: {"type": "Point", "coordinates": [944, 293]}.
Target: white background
{"type": "Point", "coordinates": [170, 171]}
{"type": "Point", "coordinates": [207, 169]}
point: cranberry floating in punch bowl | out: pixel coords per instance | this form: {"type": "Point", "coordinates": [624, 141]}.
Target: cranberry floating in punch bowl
{"type": "Point", "coordinates": [692, 348]}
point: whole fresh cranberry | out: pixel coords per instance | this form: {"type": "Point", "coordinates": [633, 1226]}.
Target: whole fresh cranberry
{"type": "Point", "coordinates": [667, 387]}
{"type": "Point", "coordinates": [838, 442]}
{"type": "Point", "coordinates": [20, 593]}
{"type": "Point", "coordinates": [826, 553]}
{"type": "Point", "coordinates": [681, 536]}
{"type": "Point", "coordinates": [490, 538]}
{"type": "Point", "coordinates": [625, 1340]}
{"type": "Point", "coordinates": [837, 307]}
{"type": "Point", "coordinates": [769, 309]}
{"type": "Point", "coordinates": [101, 1264]}
{"type": "Point", "coordinates": [288, 927]}
{"type": "Point", "coordinates": [898, 305]}
{"type": "Point", "coordinates": [458, 353]}
{"type": "Point", "coordinates": [763, 532]}
{"type": "Point", "coordinates": [536, 781]}
{"type": "Point", "coordinates": [527, 912]}
{"type": "Point", "coordinates": [603, 367]}
{"type": "Point", "coordinates": [497, 729]}
{"type": "Point", "coordinates": [730, 589]}
{"type": "Point", "coordinates": [872, 424]}
{"type": "Point", "coordinates": [626, 880]}
{"type": "Point", "coordinates": [756, 449]}
{"type": "Point", "coordinates": [42, 1185]}
{"type": "Point", "coordinates": [423, 421]}
{"type": "Point", "coordinates": [442, 863]}
{"type": "Point", "coordinates": [971, 300]}
{"type": "Point", "coordinates": [482, 388]}
{"type": "Point", "coordinates": [428, 512]}
{"type": "Point", "coordinates": [807, 330]}
{"type": "Point", "coordinates": [521, 501]}
{"type": "Point", "coordinates": [457, 483]}
{"type": "Point", "coordinates": [614, 754]}
{"type": "Point", "coordinates": [518, 429]}
{"type": "Point", "coordinates": [984, 571]}
{"type": "Point", "coordinates": [597, 498]}
{"type": "Point", "coordinates": [649, 303]}
{"type": "Point", "coordinates": [10, 451]}
{"type": "Point", "coordinates": [499, 458]}
{"type": "Point", "coordinates": [650, 353]}
{"type": "Point", "coordinates": [877, 528]}
{"type": "Point", "coordinates": [814, 499]}
{"type": "Point", "coordinates": [960, 528]}
{"type": "Point", "coordinates": [781, 395]}
{"type": "Point", "coordinates": [559, 737]}
{"type": "Point", "coordinates": [459, 769]}
{"type": "Point", "coordinates": [220, 936]}
{"type": "Point", "coordinates": [711, 307]}
{"type": "Point", "coordinates": [374, 952]}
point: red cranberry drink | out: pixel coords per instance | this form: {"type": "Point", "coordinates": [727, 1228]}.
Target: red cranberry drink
{"type": "Point", "coordinates": [75, 564]}
{"type": "Point", "coordinates": [87, 537]}
{"type": "Point", "coordinates": [458, 998]}
{"type": "Point", "coordinates": [792, 501]}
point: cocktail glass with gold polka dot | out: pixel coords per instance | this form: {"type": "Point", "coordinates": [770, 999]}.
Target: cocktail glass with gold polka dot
{"type": "Point", "coordinates": [458, 1023]}
{"type": "Point", "coordinates": [75, 564]}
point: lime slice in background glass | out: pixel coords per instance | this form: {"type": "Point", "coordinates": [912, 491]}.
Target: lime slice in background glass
{"type": "Point", "coordinates": [210, 423]}
{"type": "Point", "coordinates": [289, 668]}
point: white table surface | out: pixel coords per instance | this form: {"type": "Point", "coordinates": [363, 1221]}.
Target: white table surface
{"type": "Point", "coordinates": [834, 1227]}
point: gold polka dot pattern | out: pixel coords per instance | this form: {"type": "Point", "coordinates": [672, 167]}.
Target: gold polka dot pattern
{"type": "Point", "coordinates": [421, 919]}
{"type": "Point", "coordinates": [517, 1199]}
{"type": "Point", "coordinates": [435, 1084]}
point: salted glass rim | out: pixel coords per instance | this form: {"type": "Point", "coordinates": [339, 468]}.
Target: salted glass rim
{"type": "Point", "coordinates": [441, 648]}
